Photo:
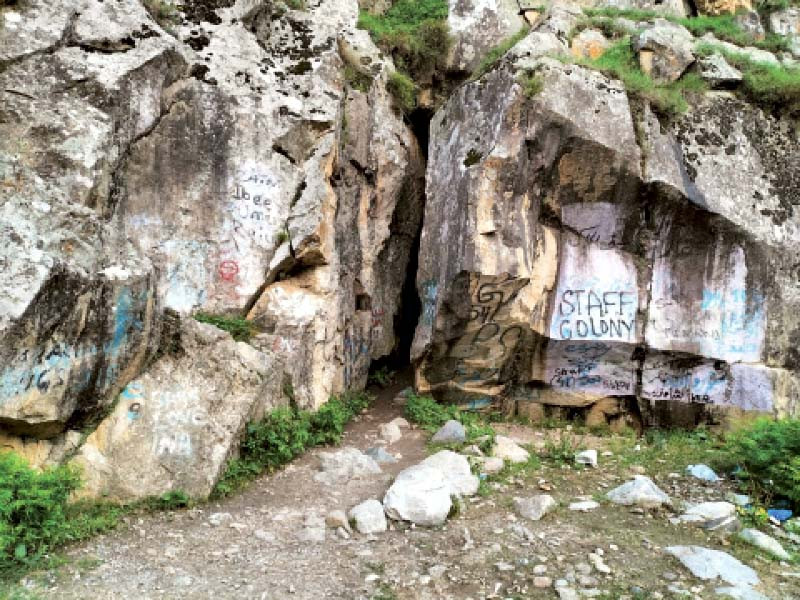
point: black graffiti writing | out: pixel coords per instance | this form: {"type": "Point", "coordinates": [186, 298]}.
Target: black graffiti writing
{"type": "Point", "coordinates": [595, 327]}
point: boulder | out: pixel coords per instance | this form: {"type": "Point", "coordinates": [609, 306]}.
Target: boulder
{"type": "Point", "coordinates": [390, 433]}
{"type": "Point", "coordinates": [451, 432]}
{"type": "Point", "coordinates": [764, 542]}
{"type": "Point", "coordinates": [343, 465]}
{"type": "Point", "coordinates": [717, 72]}
{"type": "Point", "coordinates": [507, 449]}
{"type": "Point", "coordinates": [477, 27]}
{"type": "Point", "coordinates": [534, 507]}
{"type": "Point", "coordinates": [456, 471]}
{"type": "Point", "coordinates": [665, 50]}
{"type": "Point", "coordinates": [641, 491]}
{"type": "Point", "coordinates": [368, 517]}
{"type": "Point", "coordinates": [175, 427]}
{"type": "Point", "coordinates": [420, 494]}
{"type": "Point", "coordinates": [587, 457]}
{"type": "Point", "coordinates": [705, 563]}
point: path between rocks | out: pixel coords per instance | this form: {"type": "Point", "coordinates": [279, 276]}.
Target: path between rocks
{"type": "Point", "coordinates": [267, 542]}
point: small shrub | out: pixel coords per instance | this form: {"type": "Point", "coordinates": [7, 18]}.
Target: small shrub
{"type": "Point", "coordinates": [240, 328]}
{"type": "Point", "coordinates": [356, 79]}
{"type": "Point", "coordinates": [33, 509]}
{"type": "Point", "coordinates": [767, 456]}
{"type": "Point", "coordinates": [496, 53]}
{"type": "Point", "coordinates": [164, 13]}
{"type": "Point", "coordinates": [532, 84]}
{"type": "Point", "coordinates": [284, 434]}
{"type": "Point", "coordinates": [473, 157]}
{"type": "Point", "coordinates": [382, 377]}
{"type": "Point", "coordinates": [169, 501]}
{"type": "Point", "coordinates": [282, 236]}
{"type": "Point", "coordinates": [403, 90]}
{"type": "Point", "coordinates": [430, 415]}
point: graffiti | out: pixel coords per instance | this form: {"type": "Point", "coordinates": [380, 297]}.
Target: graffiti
{"type": "Point", "coordinates": [228, 269]}
{"type": "Point", "coordinates": [61, 364]}
{"type": "Point", "coordinates": [596, 315]}
{"type": "Point", "coordinates": [667, 379]}
{"type": "Point", "coordinates": [354, 366]}
{"type": "Point", "coordinates": [488, 297]}
{"type": "Point", "coordinates": [133, 393]}
{"type": "Point", "coordinates": [430, 290]}
{"type": "Point", "coordinates": [377, 323]}
{"type": "Point", "coordinates": [284, 345]}
{"type": "Point", "coordinates": [177, 413]}
{"type": "Point", "coordinates": [589, 367]}
{"type": "Point", "coordinates": [257, 216]}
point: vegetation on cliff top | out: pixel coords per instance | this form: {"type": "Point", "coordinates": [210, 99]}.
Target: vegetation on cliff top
{"type": "Point", "coordinates": [415, 34]}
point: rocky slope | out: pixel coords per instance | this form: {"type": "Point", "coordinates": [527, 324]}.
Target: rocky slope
{"type": "Point", "coordinates": [244, 158]}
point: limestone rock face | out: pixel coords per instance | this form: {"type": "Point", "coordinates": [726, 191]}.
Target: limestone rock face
{"type": "Point", "coordinates": [175, 427]}
{"type": "Point", "coordinates": [577, 248]}
{"type": "Point", "coordinates": [477, 26]}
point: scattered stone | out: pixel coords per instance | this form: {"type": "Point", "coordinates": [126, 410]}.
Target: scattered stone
{"type": "Point", "coordinates": [419, 494]}
{"type": "Point", "coordinates": [703, 472]}
{"type": "Point", "coordinates": [504, 566]}
{"type": "Point", "coordinates": [638, 470]}
{"type": "Point", "coordinates": [492, 465]}
{"type": "Point", "coordinates": [401, 399]}
{"type": "Point", "coordinates": [764, 542]}
{"type": "Point", "coordinates": [539, 569]}
{"type": "Point", "coordinates": [712, 516]}
{"type": "Point", "coordinates": [598, 563]}
{"type": "Point", "coordinates": [451, 432]}
{"type": "Point", "coordinates": [437, 571]}
{"type": "Point", "coordinates": [534, 507]}
{"type": "Point", "coordinates": [343, 465]}
{"type": "Point", "coordinates": [508, 449]}
{"type": "Point", "coordinates": [380, 455]}
{"type": "Point", "coordinates": [401, 423]}
{"type": "Point", "coordinates": [738, 499]}
{"type": "Point", "coordinates": [584, 506]}
{"type": "Point", "coordinates": [587, 457]}
{"type": "Point", "coordinates": [641, 491]}
{"type": "Point", "coordinates": [456, 471]}
{"type": "Point", "coordinates": [542, 582]}
{"type": "Point", "coordinates": [336, 519]}
{"type": "Point", "coordinates": [264, 536]}
{"type": "Point", "coordinates": [472, 450]}
{"type": "Point", "coordinates": [217, 519]}
{"type": "Point", "coordinates": [368, 517]}
{"type": "Point", "coordinates": [706, 563]}
{"type": "Point", "coordinates": [390, 432]}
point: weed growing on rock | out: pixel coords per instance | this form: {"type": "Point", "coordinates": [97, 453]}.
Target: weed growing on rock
{"type": "Point", "coordinates": [163, 13]}
{"type": "Point", "coordinates": [284, 434]}
{"type": "Point", "coordinates": [240, 328]}
{"type": "Point", "coordinates": [402, 88]}
{"type": "Point", "coordinates": [415, 34]}
{"type": "Point", "coordinates": [496, 53]}
{"type": "Point", "coordinates": [532, 84]}
{"type": "Point", "coordinates": [356, 79]}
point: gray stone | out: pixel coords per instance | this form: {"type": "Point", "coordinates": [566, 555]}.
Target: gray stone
{"type": "Point", "coordinates": [584, 506]}
{"type": "Point", "coordinates": [175, 426]}
{"type": "Point", "coordinates": [587, 457]}
{"type": "Point", "coordinates": [716, 70]}
{"type": "Point", "coordinates": [740, 592]}
{"type": "Point", "coordinates": [703, 472]}
{"type": "Point", "coordinates": [491, 465]}
{"type": "Point", "coordinates": [369, 517]}
{"type": "Point", "coordinates": [534, 507]}
{"type": "Point", "coordinates": [336, 519]}
{"type": "Point", "coordinates": [705, 563]}
{"type": "Point", "coordinates": [641, 491]}
{"type": "Point", "coordinates": [390, 432]}
{"type": "Point", "coordinates": [764, 542]}
{"type": "Point", "coordinates": [451, 432]}
{"type": "Point", "coordinates": [456, 471]}
{"type": "Point", "coordinates": [507, 449]}
{"type": "Point", "coordinates": [665, 50]}
{"type": "Point", "coordinates": [345, 464]}
{"type": "Point", "coordinates": [419, 494]}
{"type": "Point", "coordinates": [380, 455]}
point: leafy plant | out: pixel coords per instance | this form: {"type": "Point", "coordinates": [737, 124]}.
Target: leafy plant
{"type": "Point", "coordinates": [496, 53]}
{"type": "Point", "coordinates": [282, 236]}
{"type": "Point", "coordinates": [766, 455]}
{"type": "Point", "coordinates": [285, 433]}
{"type": "Point", "coordinates": [164, 13]}
{"type": "Point", "coordinates": [240, 328]}
{"type": "Point", "coordinates": [430, 415]}
{"type": "Point", "coordinates": [356, 79]}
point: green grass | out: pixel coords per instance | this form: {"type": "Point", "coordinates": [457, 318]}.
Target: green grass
{"type": "Point", "coordinates": [620, 62]}
{"type": "Point", "coordinates": [284, 434]}
{"type": "Point", "coordinates": [771, 86]}
{"type": "Point", "coordinates": [240, 328]}
{"type": "Point", "coordinates": [163, 13]}
{"type": "Point", "coordinates": [356, 80]}
{"type": "Point", "coordinates": [496, 53]}
{"type": "Point", "coordinates": [430, 415]}
{"type": "Point", "coordinates": [723, 27]}
{"type": "Point", "coordinates": [404, 91]}
{"type": "Point", "coordinates": [415, 34]}
{"type": "Point", "coordinates": [532, 84]}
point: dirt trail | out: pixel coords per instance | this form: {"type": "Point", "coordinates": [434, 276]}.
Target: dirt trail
{"type": "Point", "coordinates": [484, 552]}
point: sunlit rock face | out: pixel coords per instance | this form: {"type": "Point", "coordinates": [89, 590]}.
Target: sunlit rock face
{"type": "Point", "coordinates": [575, 248]}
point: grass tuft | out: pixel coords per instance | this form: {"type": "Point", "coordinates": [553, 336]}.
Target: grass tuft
{"type": "Point", "coordinates": [495, 54]}
{"type": "Point", "coordinates": [240, 328]}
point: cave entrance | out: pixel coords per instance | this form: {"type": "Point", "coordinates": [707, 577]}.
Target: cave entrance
{"type": "Point", "coordinates": [407, 317]}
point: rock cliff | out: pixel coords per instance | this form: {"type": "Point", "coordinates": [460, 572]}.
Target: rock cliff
{"type": "Point", "coordinates": [246, 158]}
